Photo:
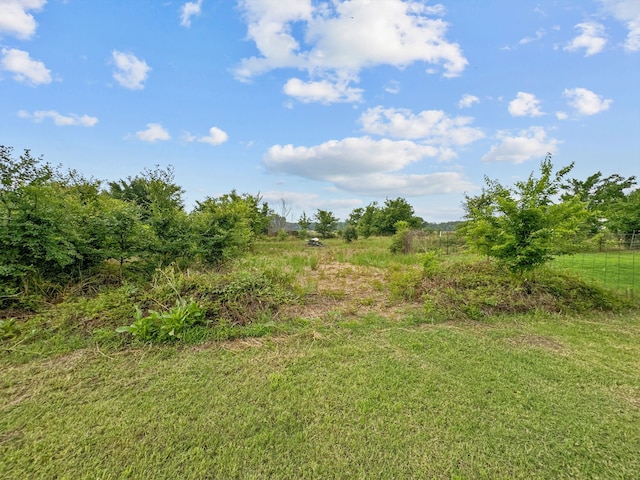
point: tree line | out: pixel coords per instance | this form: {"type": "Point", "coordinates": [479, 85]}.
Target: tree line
{"type": "Point", "coordinates": [59, 227]}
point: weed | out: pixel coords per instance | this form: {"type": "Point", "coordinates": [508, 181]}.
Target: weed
{"type": "Point", "coordinates": [8, 328]}
{"type": "Point", "coordinates": [165, 326]}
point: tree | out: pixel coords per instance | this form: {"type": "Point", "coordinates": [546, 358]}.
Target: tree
{"type": "Point", "coordinates": [223, 226]}
{"type": "Point", "coordinates": [368, 220]}
{"type": "Point", "coordinates": [524, 226]}
{"type": "Point", "coordinates": [161, 208]}
{"type": "Point", "coordinates": [624, 215]}
{"type": "Point", "coordinates": [304, 223]}
{"type": "Point", "coordinates": [394, 211]}
{"type": "Point", "coordinates": [603, 197]}
{"type": "Point", "coordinates": [326, 223]}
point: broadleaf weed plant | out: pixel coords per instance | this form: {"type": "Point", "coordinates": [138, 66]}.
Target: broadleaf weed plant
{"type": "Point", "coordinates": [165, 326]}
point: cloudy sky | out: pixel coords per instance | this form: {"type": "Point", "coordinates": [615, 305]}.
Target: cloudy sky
{"type": "Point", "coordinates": [326, 104]}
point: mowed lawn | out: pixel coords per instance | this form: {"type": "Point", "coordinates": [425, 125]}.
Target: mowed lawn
{"type": "Point", "coordinates": [534, 396]}
{"type": "Point", "coordinates": [618, 270]}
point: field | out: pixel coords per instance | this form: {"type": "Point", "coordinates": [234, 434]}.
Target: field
{"type": "Point", "coordinates": [618, 270]}
{"type": "Point", "coordinates": [377, 366]}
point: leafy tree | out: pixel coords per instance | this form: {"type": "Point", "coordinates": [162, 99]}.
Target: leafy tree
{"type": "Point", "coordinates": [223, 226]}
{"type": "Point", "coordinates": [304, 223]}
{"type": "Point", "coordinates": [624, 215]}
{"type": "Point", "coordinates": [368, 220]}
{"type": "Point", "coordinates": [394, 211]}
{"type": "Point", "coordinates": [125, 235]}
{"type": "Point", "coordinates": [602, 195]}
{"type": "Point", "coordinates": [326, 223]}
{"type": "Point", "coordinates": [523, 226]}
{"type": "Point", "coordinates": [376, 220]}
{"type": "Point", "coordinates": [159, 199]}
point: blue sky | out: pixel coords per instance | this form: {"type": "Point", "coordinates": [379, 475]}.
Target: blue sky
{"type": "Point", "coordinates": [325, 104]}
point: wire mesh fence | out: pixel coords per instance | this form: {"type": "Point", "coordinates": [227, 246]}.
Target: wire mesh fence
{"type": "Point", "coordinates": [613, 260]}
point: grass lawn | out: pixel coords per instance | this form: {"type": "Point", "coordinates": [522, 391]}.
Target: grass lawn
{"type": "Point", "coordinates": [617, 270]}
{"type": "Point", "coordinates": [535, 396]}
{"type": "Point", "coordinates": [373, 366]}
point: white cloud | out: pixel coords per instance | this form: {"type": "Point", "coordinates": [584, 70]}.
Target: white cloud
{"type": "Point", "coordinates": [58, 119]}
{"type": "Point", "coordinates": [215, 137]}
{"type": "Point", "coordinates": [130, 71]}
{"type": "Point", "coordinates": [15, 19]}
{"type": "Point", "coordinates": [540, 34]}
{"type": "Point", "coordinates": [432, 127]}
{"type": "Point", "coordinates": [341, 38]}
{"type": "Point", "coordinates": [592, 39]}
{"type": "Point", "coordinates": [188, 10]}
{"type": "Point", "coordinates": [365, 166]}
{"type": "Point", "coordinates": [414, 185]}
{"type": "Point", "coordinates": [353, 156]}
{"type": "Point", "coordinates": [467, 101]}
{"type": "Point", "coordinates": [392, 87]}
{"type": "Point", "coordinates": [25, 69]}
{"type": "Point", "coordinates": [526, 145]}
{"type": "Point", "coordinates": [322, 91]}
{"type": "Point", "coordinates": [586, 102]}
{"type": "Point", "coordinates": [153, 133]}
{"type": "Point", "coordinates": [627, 12]}
{"type": "Point", "coordinates": [562, 115]}
{"type": "Point", "coordinates": [525, 105]}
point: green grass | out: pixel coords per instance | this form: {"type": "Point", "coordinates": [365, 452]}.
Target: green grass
{"type": "Point", "coordinates": [617, 270]}
{"type": "Point", "coordinates": [516, 397]}
{"type": "Point", "coordinates": [343, 361]}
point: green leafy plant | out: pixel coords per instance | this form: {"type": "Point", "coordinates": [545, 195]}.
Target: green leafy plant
{"type": "Point", "coordinates": [8, 328]}
{"type": "Point", "coordinates": [165, 326]}
{"type": "Point", "coordinates": [525, 226]}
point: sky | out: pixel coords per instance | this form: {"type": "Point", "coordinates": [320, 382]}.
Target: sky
{"type": "Point", "coordinates": [328, 104]}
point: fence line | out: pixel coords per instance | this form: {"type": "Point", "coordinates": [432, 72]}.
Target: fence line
{"type": "Point", "coordinates": [613, 260]}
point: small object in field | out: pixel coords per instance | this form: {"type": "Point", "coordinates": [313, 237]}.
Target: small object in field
{"type": "Point", "coordinates": [314, 242]}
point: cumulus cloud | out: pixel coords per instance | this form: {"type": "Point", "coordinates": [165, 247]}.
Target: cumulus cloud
{"type": "Point", "coordinates": [467, 101]}
{"type": "Point", "coordinates": [340, 38]}
{"type": "Point", "coordinates": [130, 72]}
{"type": "Point", "coordinates": [586, 102]}
{"type": "Point", "coordinates": [365, 165]}
{"type": "Point", "coordinates": [24, 68]}
{"type": "Point", "coordinates": [188, 10]}
{"type": "Point", "coordinates": [323, 91]}
{"type": "Point", "coordinates": [627, 12]}
{"type": "Point", "coordinates": [525, 105]}
{"type": "Point", "coordinates": [352, 156]}
{"type": "Point", "coordinates": [215, 137]}
{"type": "Point", "coordinates": [153, 133]}
{"type": "Point", "coordinates": [525, 145]}
{"type": "Point", "coordinates": [15, 18]}
{"type": "Point", "coordinates": [592, 39]}
{"type": "Point", "coordinates": [58, 119]}
{"type": "Point", "coordinates": [432, 127]}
